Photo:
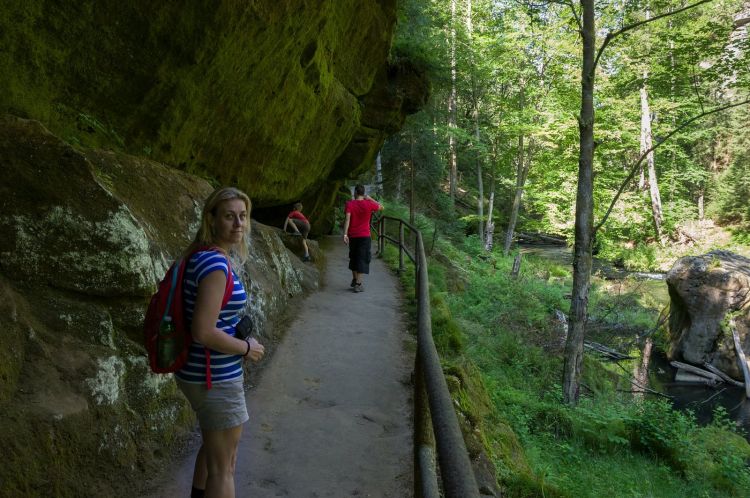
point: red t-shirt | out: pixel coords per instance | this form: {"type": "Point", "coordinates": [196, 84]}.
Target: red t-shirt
{"type": "Point", "coordinates": [361, 210]}
{"type": "Point", "coordinates": [296, 214]}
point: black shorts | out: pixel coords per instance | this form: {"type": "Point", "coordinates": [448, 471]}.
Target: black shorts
{"type": "Point", "coordinates": [302, 226]}
{"type": "Point", "coordinates": [359, 254]}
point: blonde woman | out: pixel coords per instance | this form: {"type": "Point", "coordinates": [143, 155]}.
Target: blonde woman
{"type": "Point", "coordinates": [212, 378]}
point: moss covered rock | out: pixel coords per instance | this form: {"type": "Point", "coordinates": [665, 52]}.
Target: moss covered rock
{"type": "Point", "coordinates": [279, 97]}
{"type": "Point", "coordinates": [84, 237]}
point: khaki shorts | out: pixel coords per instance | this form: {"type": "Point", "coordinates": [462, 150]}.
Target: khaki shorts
{"type": "Point", "coordinates": [219, 408]}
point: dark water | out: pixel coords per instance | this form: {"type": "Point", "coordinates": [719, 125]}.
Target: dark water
{"type": "Point", "coordinates": [702, 400]}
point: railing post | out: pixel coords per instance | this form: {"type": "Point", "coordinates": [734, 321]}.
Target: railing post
{"type": "Point", "coordinates": [381, 237]}
{"type": "Point", "coordinates": [400, 247]}
{"type": "Point", "coordinates": [426, 481]}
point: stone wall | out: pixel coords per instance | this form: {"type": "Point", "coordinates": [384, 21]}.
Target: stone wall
{"type": "Point", "coordinates": [84, 237]}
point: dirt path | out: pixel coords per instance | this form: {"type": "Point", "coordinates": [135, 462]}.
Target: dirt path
{"type": "Point", "coordinates": [332, 415]}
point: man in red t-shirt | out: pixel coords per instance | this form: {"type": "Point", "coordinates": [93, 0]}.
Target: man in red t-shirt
{"type": "Point", "coordinates": [300, 225]}
{"type": "Point", "coordinates": [357, 234]}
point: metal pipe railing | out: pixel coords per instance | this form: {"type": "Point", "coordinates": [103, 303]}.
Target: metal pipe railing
{"type": "Point", "coordinates": [436, 424]}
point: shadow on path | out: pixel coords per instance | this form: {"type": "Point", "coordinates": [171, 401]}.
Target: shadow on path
{"type": "Point", "coordinates": [332, 413]}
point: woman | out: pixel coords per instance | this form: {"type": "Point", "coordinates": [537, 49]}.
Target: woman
{"type": "Point", "coordinates": [218, 399]}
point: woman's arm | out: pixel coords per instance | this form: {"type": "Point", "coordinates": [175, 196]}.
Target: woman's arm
{"type": "Point", "coordinates": [207, 306]}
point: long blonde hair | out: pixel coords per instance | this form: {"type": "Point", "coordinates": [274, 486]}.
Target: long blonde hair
{"type": "Point", "coordinates": [205, 235]}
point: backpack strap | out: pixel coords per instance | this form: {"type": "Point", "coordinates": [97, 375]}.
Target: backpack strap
{"type": "Point", "coordinates": [228, 291]}
{"type": "Point", "coordinates": [177, 272]}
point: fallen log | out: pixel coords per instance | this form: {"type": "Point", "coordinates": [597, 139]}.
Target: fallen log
{"type": "Point", "coordinates": [696, 371]}
{"type": "Point", "coordinates": [741, 357]}
{"type": "Point", "coordinates": [535, 237]}
{"type": "Point", "coordinates": [608, 352]}
{"type": "Point", "coordinates": [685, 376]}
{"type": "Point", "coordinates": [724, 376]}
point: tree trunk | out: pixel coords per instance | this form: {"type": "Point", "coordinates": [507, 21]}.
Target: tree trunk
{"type": "Point", "coordinates": [480, 199]}
{"type": "Point", "coordinates": [475, 116]}
{"type": "Point", "coordinates": [379, 174]}
{"type": "Point", "coordinates": [584, 213]}
{"type": "Point", "coordinates": [490, 227]}
{"type": "Point", "coordinates": [701, 213]}
{"type": "Point", "coordinates": [411, 190]}
{"type": "Point", "coordinates": [399, 181]}
{"type": "Point", "coordinates": [646, 144]}
{"type": "Point", "coordinates": [520, 180]}
{"type": "Point", "coordinates": [645, 133]}
{"type": "Point", "coordinates": [521, 174]}
{"type": "Point", "coordinates": [640, 369]}
{"type": "Point", "coordinates": [453, 163]}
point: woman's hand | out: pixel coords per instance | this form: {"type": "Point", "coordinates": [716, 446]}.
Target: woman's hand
{"type": "Point", "coordinates": [256, 349]}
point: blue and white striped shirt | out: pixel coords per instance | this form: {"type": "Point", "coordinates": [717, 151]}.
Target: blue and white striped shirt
{"type": "Point", "coordinates": [224, 367]}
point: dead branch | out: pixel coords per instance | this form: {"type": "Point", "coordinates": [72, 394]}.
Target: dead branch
{"type": "Point", "coordinates": [740, 357]}
{"type": "Point", "coordinates": [721, 374]}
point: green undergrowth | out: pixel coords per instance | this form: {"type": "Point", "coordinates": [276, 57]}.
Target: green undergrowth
{"type": "Point", "coordinates": [501, 348]}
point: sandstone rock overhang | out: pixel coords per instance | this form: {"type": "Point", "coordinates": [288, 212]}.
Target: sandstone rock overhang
{"type": "Point", "coordinates": [284, 99]}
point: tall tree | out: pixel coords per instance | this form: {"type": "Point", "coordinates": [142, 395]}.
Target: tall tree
{"type": "Point", "coordinates": [452, 110]}
{"type": "Point", "coordinates": [646, 148]}
{"type": "Point", "coordinates": [522, 171]}
{"type": "Point", "coordinates": [584, 210]}
{"type": "Point", "coordinates": [475, 117]}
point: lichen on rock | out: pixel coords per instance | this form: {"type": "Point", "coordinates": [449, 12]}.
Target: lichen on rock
{"type": "Point", "coordinates": [105, 385]}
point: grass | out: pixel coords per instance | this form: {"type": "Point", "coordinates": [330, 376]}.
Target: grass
{"type": "Point", "coordinates": [501, 333]}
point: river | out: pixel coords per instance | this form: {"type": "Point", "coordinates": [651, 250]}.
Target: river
{"type": "Point", "coordinates": [652, 369]}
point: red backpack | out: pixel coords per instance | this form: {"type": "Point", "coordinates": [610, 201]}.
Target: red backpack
{"type": "Point", "coordinates": [166, 335]}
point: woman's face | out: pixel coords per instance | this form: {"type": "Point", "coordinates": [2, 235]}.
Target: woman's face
{"type": "Point", "coordinates": [230, 222]}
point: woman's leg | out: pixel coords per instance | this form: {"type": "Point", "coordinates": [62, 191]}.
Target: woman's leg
{"type": "Point", "coordinates": [200, 473]}
{"type": "Point", "coordinates": [220, 450]}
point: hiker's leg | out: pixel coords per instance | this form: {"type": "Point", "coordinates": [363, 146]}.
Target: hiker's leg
{"type": "Point", "coordinates": [364, 256]}
{"type": "Point", "coordinates": [304, 245]}
{"type": "Point", "coordinates": [221, 456]}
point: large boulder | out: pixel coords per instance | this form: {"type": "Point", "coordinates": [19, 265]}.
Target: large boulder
{"type": "Point", "coordinates": [84, 237]}
{"type": "Point", "coordinates": [703, 291]}
{"type": "Point", "coordinates": [280, 97]}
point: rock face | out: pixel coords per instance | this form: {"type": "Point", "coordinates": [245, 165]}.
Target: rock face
{"type": "Point", "coordinates": [283, 98]}
{"type": "Point", "coordinates": [703, 290]}
{"type": "Point", "coordinates": [84, 237]}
